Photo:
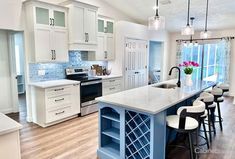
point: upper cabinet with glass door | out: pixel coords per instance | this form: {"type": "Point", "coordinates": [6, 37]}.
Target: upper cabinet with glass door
{"type": "Point", "coordinates": [47, 27]}
{"type": "Point", "coordinates": [105, 26]}
{"type": "Point", "coordinates": [51, 16]}
{"type": "Point", "coordinates": [106, 43]}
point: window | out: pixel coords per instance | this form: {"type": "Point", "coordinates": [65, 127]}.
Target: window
{"type": "Point", "coordinates": [210, 60]}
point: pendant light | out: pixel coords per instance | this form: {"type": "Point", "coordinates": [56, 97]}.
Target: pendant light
{"type": "Point", "coordinates": [156, 22]}
{"type": "Point", "coordinates": [188, 30]}
{"type": "Point", "coordinates": [206, 34]}
{"type": "Point", "coordinates": [191, 43]}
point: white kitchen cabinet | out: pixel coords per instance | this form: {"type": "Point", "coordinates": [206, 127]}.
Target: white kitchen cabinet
{"type": "Point", "coordinates": [82, 19]}
{"type": "Point", "coordinates": [111, 85]}
{"type": "Point", "coordinates": [48, 23]}
{"type": "Point", "coordinates": [55, 104]}
{"type": "Point", "coordinates": [106, 48]}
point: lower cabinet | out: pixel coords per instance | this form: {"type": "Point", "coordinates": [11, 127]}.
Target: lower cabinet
{"type": "Point", "coordinates": [54, 105]}
{"type": "Point", "coordinates": [111, 143]}
{"type": "Point", "coordinates": [112, 85]}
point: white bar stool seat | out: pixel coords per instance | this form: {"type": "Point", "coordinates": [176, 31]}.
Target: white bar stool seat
{"type": "Point", "coordinates": [173, 122]}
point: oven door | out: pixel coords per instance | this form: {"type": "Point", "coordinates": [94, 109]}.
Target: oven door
{"type": "Point", "coordinates": [90, 91]}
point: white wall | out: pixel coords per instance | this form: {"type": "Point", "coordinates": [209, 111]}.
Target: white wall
{"type": "Point", "coordinates": [6, 105]}
{"type": "Point", "coordinates": [10, 14]}
{"type": "Point", "coordinates": [217, 33]}
{"type": "Point", "coordinates": [137, 31]}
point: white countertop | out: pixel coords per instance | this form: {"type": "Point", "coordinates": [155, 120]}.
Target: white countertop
{"type": "Point", "coordinates": [8, 125]}
{"type": "Point", "coordinates": [153, 100]}
{"type": "Point", "coordinates": [53, 83]}
{"type": "Point", "coordinates": [109, 76]}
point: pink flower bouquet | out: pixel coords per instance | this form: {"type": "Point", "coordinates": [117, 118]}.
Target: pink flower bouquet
{"type": "Point", "coordinates": [188, 66]}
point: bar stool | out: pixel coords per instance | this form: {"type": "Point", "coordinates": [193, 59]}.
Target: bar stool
{"type": "Point", "coordinates": [208, 99]}
{"type": "Point", "coordinates": [185, 122]}
{"type": "Point", "coordinates": [224, 87]}
{"type": "Point", "coordinates": [218, 98]}
{"type": "Point", "coordinates": [201, 121]}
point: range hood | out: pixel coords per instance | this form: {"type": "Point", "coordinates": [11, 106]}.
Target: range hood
{"type": "Point", "coordinates": [10, 14]}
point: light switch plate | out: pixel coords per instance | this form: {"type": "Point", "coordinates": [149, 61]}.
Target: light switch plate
{"type": "Point", "coordinates": [41, 72]}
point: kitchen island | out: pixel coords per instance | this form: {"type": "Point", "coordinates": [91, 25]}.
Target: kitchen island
{"type": "Point", "coordinates": [132, 123]}
{"type": "Point", "coordinates": [9, 138]}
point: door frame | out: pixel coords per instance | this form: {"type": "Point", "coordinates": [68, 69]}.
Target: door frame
{"type": "Point", "coordinates": [14, 87]}
{"type": "Point", "coordinates": [124, 58]}
{"type": "Point", "coordinates": [162, 43]}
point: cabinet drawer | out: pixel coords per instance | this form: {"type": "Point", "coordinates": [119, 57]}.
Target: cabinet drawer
{"type": "Point", "coordinates": [112, 82]}
{"type": "Point", "coordinates": [57, 91]}
{"type": "Point", "coordinates": [58, 114]}
{"type": "Point", "coordinates": [57, 101]}
{"type": "Point", "coordinates": [111, 89]}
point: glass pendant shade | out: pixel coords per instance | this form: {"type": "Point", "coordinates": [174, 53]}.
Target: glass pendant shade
{"type": "Point", "coordinates": [188, 30]}
{"type": "Point", "coordinates": [205, 34]}
{"type": "Point", "coordinates": [156, 23]}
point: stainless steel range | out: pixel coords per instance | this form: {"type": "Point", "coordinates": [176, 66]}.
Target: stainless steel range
{"type": "Point", "coordinates": [91, 87]}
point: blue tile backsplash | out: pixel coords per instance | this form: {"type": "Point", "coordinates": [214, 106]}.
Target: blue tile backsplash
{"type": "Point", "coordinates": [55, 71]}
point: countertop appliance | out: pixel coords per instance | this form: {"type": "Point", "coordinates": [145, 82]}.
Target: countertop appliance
{"type": "Point", "coordinates": [91, 88]}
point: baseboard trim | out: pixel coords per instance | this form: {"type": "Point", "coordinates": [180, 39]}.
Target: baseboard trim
{"type": "Point", "coordinates": [7, 111]}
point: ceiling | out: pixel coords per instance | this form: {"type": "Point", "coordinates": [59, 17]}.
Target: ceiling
{"type": "Point", "coordinates": [221, 12]}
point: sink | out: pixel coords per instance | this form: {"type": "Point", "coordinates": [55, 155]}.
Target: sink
{"type": "Point", "coordinates": [166, 86]}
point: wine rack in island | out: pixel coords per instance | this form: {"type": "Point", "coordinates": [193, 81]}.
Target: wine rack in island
{"type": "Point", "coordinates": [123, 134]}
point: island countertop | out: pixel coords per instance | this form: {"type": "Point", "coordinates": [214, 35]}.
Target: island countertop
{"type": "Point", "coordinates": [152, 100]}
{"type": "Point", "coordinates": [8, 125]}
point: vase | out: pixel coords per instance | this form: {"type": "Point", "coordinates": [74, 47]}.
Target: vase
{"type": "Point", "coordinates": [188, 80]}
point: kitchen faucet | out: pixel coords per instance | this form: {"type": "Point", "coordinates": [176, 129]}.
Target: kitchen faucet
{"type": "Point", "coordinates": [175, 67]}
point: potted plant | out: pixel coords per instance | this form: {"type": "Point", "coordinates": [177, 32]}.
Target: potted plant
{"type": "Point", "coordinates": [188, 70]}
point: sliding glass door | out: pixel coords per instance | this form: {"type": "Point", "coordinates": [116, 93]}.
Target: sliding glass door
{"type": "Point", "coordinates": [208, 56]}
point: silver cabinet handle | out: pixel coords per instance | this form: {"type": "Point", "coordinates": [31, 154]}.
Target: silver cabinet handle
{"type": "Point", "coordinates": [105, 54]}
{"type": "Point", "coordinates": [60, 89]}
{"type": "Point", "coordinates": [50, 21]}
{"type": "Point", "coordinates": [53, 22]}
{"type": "Point", "coordinates": [112, 80]}
{"type": "Point", "coordinates": [54, 55]}
{"type": "Point", "coordinates": [60, 113]}
{"type": "Point", "coordinates": [105, 29]}
{"type": "Point", "coordinates": [57, 100]}
{"type": "Point", "coordinates": [86, 37]}
{"type": "Point", "coordinates": [112, 88]}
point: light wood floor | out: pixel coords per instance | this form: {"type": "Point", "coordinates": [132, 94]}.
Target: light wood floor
{"type": "Point", "coordinates": [78, 138]}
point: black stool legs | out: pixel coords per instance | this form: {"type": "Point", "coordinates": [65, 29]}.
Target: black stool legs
{"type": "Point", "coordinates": [220, 117]}
{"type": "Point", "coordinates": [205, 133]}
{"type": "Point", "coordinates": [191, 145]}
